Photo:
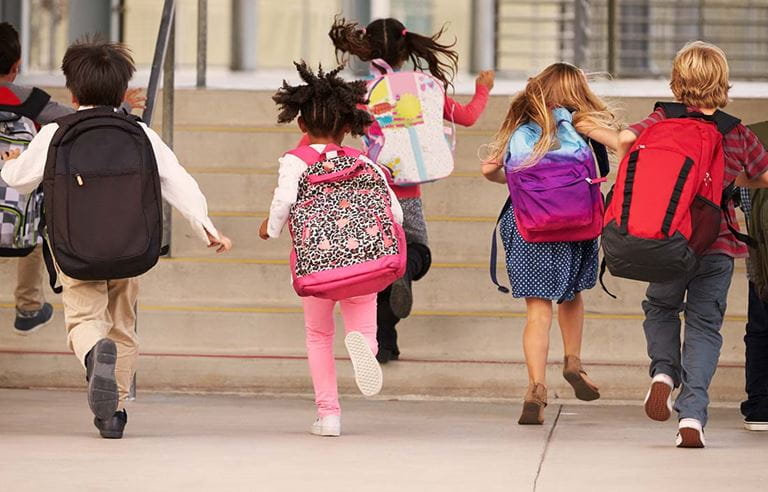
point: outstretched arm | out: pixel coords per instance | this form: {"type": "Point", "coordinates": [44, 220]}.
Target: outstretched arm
{"type": "Point", "coordinates": [467, 115]}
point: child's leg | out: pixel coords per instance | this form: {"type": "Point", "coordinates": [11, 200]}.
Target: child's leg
{"type": "Point", "coordinates": [360, 315]}
{"type": "Point", "coordinates": [704, 312]}
{"type": "Point", "coordinates": [29, 281]}
{"type": "Point", "coordinates": [663, 304]}
{"type": "Point", "coordinates": [756, 341]}
{"type": "Point", "coordinates": [536, 338]}
{"type": "Point", "coordinates": [570, 317]}
{"type": "Point", "coordinates": [122, 309]}
{"type": "Point", "coordinates": [85, 314]}
{"type": "Point", "coordinates": [318, 320]}
{"type": "Point", "coordinates": [387, 323]}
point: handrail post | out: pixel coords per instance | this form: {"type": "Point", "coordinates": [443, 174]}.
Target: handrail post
{"type": "Point", "coordinates": [169, 9]}
{"type": "Point", "coordinates": [612, 38]}
{"type": "Point", "coordinates": [202, 42]}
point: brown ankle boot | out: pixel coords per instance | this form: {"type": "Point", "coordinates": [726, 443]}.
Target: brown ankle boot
{"type": "Point", "coordinates": [533, 406]}
{"type": "Point", "coordinates": [577, 377]}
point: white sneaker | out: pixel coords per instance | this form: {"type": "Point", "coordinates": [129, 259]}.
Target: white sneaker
{"type": "Point", "coordinates": [367, 369]}
{"type": "Point", "coordinates": [658, 401]}
{"type": "Point", "coordinates": [328, 426]}
{"type": "Point", "coordinates": [690, 434]}
{"type": "Point", "coordinates": [756, 426]}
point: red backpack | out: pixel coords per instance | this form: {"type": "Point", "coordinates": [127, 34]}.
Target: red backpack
{"type": "Point", "coordinates": [666, 206]}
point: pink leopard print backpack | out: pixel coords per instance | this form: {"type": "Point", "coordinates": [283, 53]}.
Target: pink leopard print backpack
{"type": "Point", "coordinates": [346, 242]}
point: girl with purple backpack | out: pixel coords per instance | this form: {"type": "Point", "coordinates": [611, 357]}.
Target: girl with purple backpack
{"type": "Point", "coordinates": [551, 223]}
{"type": "Point", "coordinates": [344, 220]}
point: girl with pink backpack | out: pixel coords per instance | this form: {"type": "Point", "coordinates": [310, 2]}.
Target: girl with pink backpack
{"type": "Point", "coordinates": [553, 218]}
{"type": "Point", "coordinates": [345, 223]}
{"type": "Point", "coordinates": [409, 135]}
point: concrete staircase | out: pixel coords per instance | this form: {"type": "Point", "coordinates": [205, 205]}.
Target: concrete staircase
{"type": "Point", "coordinates": [233, 323]}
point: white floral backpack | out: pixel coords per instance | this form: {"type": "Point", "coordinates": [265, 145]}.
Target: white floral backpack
{"type": "Point", "coordinates": [346, 242]}
{"type": "Point", "coordinates": [409, 135]}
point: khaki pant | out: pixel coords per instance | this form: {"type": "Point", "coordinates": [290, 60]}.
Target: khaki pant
{"type": "Point", "coordinates": [30, 275]}
{"type": "Point", "coordinates": [103, 309]}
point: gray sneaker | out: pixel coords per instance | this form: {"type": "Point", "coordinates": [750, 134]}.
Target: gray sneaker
{"type": "Point", "coordinates": [401, 298]}
{"type": "Point", "coordinates": [30, 321]}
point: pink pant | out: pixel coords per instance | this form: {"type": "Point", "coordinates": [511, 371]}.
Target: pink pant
{"type": "Point", "coordinates": [359, 314]}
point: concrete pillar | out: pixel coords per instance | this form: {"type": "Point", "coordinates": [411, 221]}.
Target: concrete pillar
{"type": "Point", "coordinates": [483, 35]}
{"type": "Point", "coordinates": [90, 17]}
{"type": "Point", "coordinates": [381, 9]}
{"type": "Point", "coordinates": [360, 11]}
{"type": "Point", "coordinates": [244, 35]}
{"type": "Point", "coordinates": [10, 11]}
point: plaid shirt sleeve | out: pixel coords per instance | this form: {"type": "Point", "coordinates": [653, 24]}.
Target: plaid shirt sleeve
{"type": "Point", "coordinates": [755, 158]}
{"type": "Point", "coordinates": [640, 126]}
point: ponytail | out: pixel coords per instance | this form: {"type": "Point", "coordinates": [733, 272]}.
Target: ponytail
{"type": "Point", "coordinates": [391, 41]}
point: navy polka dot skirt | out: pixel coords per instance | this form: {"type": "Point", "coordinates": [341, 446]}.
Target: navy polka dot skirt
{"type": "Point", "coordinates": [555, 271]}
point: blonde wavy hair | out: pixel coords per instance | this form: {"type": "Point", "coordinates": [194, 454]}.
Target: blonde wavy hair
{"type": "Point", "coordinates": [700, 76]}
{"type": "Point", "coordinates": [558, 85]}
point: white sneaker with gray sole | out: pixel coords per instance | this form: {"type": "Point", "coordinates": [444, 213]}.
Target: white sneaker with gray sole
{"type": "Point", "coordinates": [328, 426]}
{"type": "Point", "coordinates": [367, 369]}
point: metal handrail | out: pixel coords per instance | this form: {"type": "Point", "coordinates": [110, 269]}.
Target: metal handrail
{"type": "Point", "coordinates": [167, 21]}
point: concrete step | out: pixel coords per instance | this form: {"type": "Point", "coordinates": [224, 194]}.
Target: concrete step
{"type": "Point", "coordinates": [225, 281]}
{"type": "Point", "coordinates": [167, 372]}
{"type": "Point", "coordinates": [452, 239]}
{"type": "Point", "coordinates": [265, 332]}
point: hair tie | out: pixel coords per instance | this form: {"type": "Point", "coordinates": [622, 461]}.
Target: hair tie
{"type": "Point", "coordinates": [363, 31]}
{"type": "Point", "coordinates": [405, 31]}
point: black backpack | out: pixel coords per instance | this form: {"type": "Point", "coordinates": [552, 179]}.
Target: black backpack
{"type": "Point", "coordinates": [103, 206]}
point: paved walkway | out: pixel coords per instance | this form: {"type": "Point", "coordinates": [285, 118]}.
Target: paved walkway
{"type": "Point", "coordinates": [223, 443]}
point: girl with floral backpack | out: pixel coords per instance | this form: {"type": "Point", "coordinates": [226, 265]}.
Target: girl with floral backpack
{"type": "Point", "coordinates": [345, 223]}
{"type": "Point", "coordinates": [409, 135]}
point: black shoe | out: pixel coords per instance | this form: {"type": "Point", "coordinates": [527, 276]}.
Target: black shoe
{"type": "Point", "coordinates": [112, 428]}
{"type": "Point", "coordinates": [30, 321]}
{"type": "Point", "coordinates": [401, 298]}
{"type": "Point", "coordinates": [385, 355]}
{"type": "Point", "coordinates": [100, 374]}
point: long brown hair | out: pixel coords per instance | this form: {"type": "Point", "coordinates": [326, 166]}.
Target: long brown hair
{"type": "Point", "coordinates": [558, 85]}
{"type": "Point", "coordinates": [389, 40]}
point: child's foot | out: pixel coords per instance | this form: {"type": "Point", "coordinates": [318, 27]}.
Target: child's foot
{"type": "Point", "coordinates": [328, 426]}
{"type": "Point", "coordinates": [584, 388]}
{"type": "Point", "coordinates": [30, 321]}
{"type": "Point", "coordinates": [367, 369]}
{"type": "Point", "coordinates": [658, 402]}
{"type": "Point", "coordinates": [385, 355]}
{"type": "Point", "coordinates": [756, 424]}
{"type": "Point", "coordinates": [690, 434]}
{"type": "Point", "coordinates": [401, 298]}
{"type": "Point", "coordinates": [100, 374]}
{"type": "Point", "coordinates": [112, 428]}
{"type": "Point", "coordinates": [533, 406]}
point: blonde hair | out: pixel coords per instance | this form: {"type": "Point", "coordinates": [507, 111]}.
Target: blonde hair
{"type": "Point", "coordinates": [700, 76]}
{"type": "Point", "coordinates": [558, 85]}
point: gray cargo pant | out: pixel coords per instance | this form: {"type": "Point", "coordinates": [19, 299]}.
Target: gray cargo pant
{"type": "Point", "coordinates": [704, 309]}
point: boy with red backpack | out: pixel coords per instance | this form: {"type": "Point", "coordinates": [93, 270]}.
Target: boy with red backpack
{"type": "Point", "coordinates": [673, 197]}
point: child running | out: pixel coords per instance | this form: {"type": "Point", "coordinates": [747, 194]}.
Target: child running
{"type": "Point", "coordinates": [110, 214]}
{"type": "Point", "coordinates": [700, 84]}
{"type": "Point", "coordinates": [543, 272]}
{"type": "Point", "coordinates": [313, 174]}
{"type": "Point", "coordinates": [388, 45]}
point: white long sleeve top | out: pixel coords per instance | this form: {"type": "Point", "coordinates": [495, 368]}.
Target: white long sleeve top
{"type": "Point", "coordinates": [286, 193]}
{"type": "Point", "coordinates": [25, 173]}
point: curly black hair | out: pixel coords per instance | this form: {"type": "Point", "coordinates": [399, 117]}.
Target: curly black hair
{"type": "Point", "coordinates": [327, 103]}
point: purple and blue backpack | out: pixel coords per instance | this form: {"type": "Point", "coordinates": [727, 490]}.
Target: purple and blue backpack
{"type": "Point", "coordinates": [557, 199]}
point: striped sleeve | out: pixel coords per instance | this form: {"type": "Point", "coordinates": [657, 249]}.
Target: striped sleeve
{"type": "Point", "coordinates": [640, 126]}
{"type": "Point", "coordinates": [755, 159]}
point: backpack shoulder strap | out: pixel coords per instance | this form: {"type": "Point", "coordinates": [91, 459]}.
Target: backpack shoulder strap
{"type": "Point", "coordinates": [672, 109]}
{"type": "Point", "coordinates": [725, 122]}
{"type": "Point", "coordinates": [31, 107]}
{"type": "Point", "coordinates": [495, 248]}
{"type": "Point", "coordinates": [601, 155]}
{"type": "Point", "coordinates": [305, 153]}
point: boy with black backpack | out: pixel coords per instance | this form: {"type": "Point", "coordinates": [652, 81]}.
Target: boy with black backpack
{"type": "Point", "coordinates": [22, 111]}
{"type": "Point", "coordinates": [671, 222]}
{"type": "Point", "coordinates": [104, 175]}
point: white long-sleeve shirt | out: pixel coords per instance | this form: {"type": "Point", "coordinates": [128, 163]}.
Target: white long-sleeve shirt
{"type": "Point", "coordinates": [25, 173]}
{"type": "Point", "coordinates": [287, 191]}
